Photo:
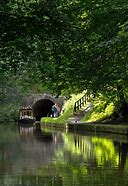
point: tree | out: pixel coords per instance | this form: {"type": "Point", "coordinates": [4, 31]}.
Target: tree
{"type": "Point", "coordinates": [73, 45]}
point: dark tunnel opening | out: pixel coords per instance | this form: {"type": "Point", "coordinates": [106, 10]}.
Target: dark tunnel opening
{"type": "Point", "coordinates": [42, 108]}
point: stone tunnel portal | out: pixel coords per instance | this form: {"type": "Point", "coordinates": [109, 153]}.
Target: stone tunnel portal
{"type": "Point", "coordinates": [42, 108]}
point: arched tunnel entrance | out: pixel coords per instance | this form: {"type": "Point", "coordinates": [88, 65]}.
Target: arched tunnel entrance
{"type": "Point", "coordinates": [42, 108]}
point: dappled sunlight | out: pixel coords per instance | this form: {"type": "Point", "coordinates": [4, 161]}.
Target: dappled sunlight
{"type": "Point", "coordinates": [99, 111]}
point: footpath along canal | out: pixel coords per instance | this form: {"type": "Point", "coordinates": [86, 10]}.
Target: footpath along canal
{"type": "Point", "coordinates": [59, 158]}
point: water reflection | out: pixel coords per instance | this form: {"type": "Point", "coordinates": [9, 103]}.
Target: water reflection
{"type": "Point", "coordinates": [122, 149]}
{"type": "Point", "coordinates": [35, 156]}
{"type": "Point", "coordinates": [37, 146]}
{"type": "Point", "coordinates": [26, 131]}
{"type": "Point", "coordinates": [35, 132]}
{"type": "Point", "coordinates": [101, 150]}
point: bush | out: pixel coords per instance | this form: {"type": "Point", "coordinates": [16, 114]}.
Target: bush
{"type": "Point", "coordinates": [100, 110]}
{"type": "Point", "coordinates": [9, 112]}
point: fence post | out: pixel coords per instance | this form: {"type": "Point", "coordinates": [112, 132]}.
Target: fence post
{"type": "Point", "coordinates": [75, 107]}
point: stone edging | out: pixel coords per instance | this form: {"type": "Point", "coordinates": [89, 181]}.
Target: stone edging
{"type": "Point", "coordinates": [79, 126]}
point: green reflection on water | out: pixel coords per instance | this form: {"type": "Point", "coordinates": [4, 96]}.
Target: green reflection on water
{"type": "Point", "coordinates": [105, 151]}
{"type": "Point", "coordinates": [68, 159]}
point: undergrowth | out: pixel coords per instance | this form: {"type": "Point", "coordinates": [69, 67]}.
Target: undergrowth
{"type": "Point", "coordinates": [8, 112]}
{"type": "Point", "coordinates": [99, 111]}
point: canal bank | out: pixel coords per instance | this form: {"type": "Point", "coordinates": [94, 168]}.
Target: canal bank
{"type": "Point", "coordinates": [73, 121]}
{"type": "Point", "coordinates": [90, 126]}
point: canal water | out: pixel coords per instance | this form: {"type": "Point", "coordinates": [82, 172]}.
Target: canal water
{"type": "Point", "coordinates": [34, 157]}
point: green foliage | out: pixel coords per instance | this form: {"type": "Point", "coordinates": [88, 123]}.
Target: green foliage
{"type": "Point", "coordinates": [66, 46]}
{"type": "Point", "coordinates": [33, 46]}
{"type": "Point", "coordinates": [10, 97]}
{"type": "Point", "coordinates": [100, 111]}
{"type": "Point", "coordinates": [9, 112]}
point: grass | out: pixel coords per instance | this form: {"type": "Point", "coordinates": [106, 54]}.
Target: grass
{"type": "Point", "coordinates": [67, 111]}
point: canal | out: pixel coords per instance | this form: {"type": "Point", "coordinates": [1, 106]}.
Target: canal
{"type": "Point", "coordinates": [34, 157]}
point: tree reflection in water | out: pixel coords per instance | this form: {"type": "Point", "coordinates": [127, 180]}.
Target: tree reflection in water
{"type": "Point", "coordinates": [122, 149]}
{"type": "Point", "coordinates": [102, 150]}
{"type": "Point", "coordinates": [43, 157]}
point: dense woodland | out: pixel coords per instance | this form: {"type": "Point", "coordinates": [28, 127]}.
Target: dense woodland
{"type": "Point", "coordinates": [64, 47]}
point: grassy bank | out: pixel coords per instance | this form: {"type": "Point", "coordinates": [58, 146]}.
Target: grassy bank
{"type": "Point", "coordinates": [67, 111]}
{"type": "Point", "coordinates": [99, 112]}
{"type": "Point", "coordinates": [97, 119]}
